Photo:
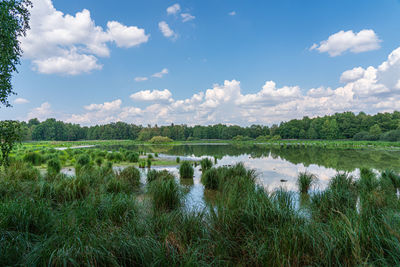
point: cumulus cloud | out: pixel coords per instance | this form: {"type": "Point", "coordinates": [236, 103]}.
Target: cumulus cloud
{"type": "Point", "coordinates": [155, 95]}
{"type": "Point", "coordinates": [42, 112]}
{"type": "Point", "coordinates": [372, 89]}
{"type": "Point", "coordinates": [166, 30]}
{"type": "Point", "coordinates": [187, 17]}
{"type": "Point", "coordinates": [160, 74]}
{"type": "Point", "coordinates": [174, 9]}
{"type": "Point", "coordinates": [20, 100]}
{"type": "Point", "coordinates": [71, 44]}
{"type": "Point", "coordinates": [107, 106]}
{"type": "Point", "coordinates": [340, 42]}
{"type": "Point", "coordinates": [126, 36]}
{"type": "Point", "coordinates": [233, 13]}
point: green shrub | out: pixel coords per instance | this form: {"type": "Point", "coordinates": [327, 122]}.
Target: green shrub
{"type": "Point", "coordinates": [160, 140]}
{"type": "Point", "coordinates": [21, 171]}
{"type": "Point", "coordinates": [186, 170]}
{"type": "Point", "coordinates": [53, 166]}
{"type": "Point", "coordinates": [132, 157]}
{"type": "Point", "coordinates": [33, 158]}
{"type": "Point", "coordinates": [83, 160]}
{"type": "Point", "coordinates": [98, 161]}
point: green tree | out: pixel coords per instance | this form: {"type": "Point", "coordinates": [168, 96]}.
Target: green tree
{"type": "Point", "coordinates": [14, 22]}
{"type": "Point", "coordinates": [10, 133]}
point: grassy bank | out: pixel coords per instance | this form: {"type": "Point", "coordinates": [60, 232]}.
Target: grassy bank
{"type": "Point", "coordinates": [102, 217]}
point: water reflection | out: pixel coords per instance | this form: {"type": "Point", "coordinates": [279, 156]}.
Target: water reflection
{"type": "Point", "coordinates": [273, 164]}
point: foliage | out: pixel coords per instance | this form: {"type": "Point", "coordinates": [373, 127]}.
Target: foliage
{"type": "Point", "coordinates": [95, 218]}
{"type": "Point", "coordinates": [53, 166]}
{"type": "Point", "coordinates": [34, 158]}
{"type": "Point", "coordinates": [304, 181]}
{"type": "Point", "coordinates": [206, 164]}
{"type": "Point", "coordinates": [10, 133]}
{"type": "Point", "coordinates": [186, 170]}
{"type": "Point", "coordinates": [14, 22]}
{"type": "Point", "coordinates": [166, 194]}
{"type": "Point", "coordinates": [131, 175]}
{"type": "Point", "coordinates": [160, 140]}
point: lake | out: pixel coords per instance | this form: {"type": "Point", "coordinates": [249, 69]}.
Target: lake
{"type": "Point", "coordinates": [276, 166]}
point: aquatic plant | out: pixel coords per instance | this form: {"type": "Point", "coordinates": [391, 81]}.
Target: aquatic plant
{"type": "Point", "coordinates": [304, 181]}
{"type": "Point", "coordinates": [166, 194]}
{"type": "Point", "coordinates": [53, 166]}
{"type": "Point", "coordinates": [186, 170]}
{"type": "Point", "coordinates": [206, 164]}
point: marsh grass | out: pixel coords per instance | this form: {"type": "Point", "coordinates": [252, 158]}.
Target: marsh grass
{"type": "Point", "coordinates": [206, 164]}
{"type": "Point", "coordinates": [166, 194]}
{"type": "Point", "coordinates": [98, 218]}
{"type": "Point", "coordinates": [305, 181]}
{"type": "Point", "coordinates": [186, 170]}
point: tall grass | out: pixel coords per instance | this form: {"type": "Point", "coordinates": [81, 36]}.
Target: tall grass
{"type": "Point", "coordinates": [186, 170]}
{"type": "Point", "coordinates": [304, 181]}
{"type": "Point", "coordinates": [206, 164]}
{"type": "Point", "coordinates": [166, 194]}
{"type": "Point", "coordinates": [99, 218]}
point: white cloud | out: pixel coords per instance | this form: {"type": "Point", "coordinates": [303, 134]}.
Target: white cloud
{"type": "Point", "coordinates": [155, 95]}
{"type": "Point", "coordinates": [126, 36]}
{"type": "Point", "coordinates": [233, 13]}
{"type": "Point", "coordinates": [174, 9]}
{"type": "Point", "coordinates": [340, 42]}
{"type": "Point", "coordinates": [352, 75]}
{"type": "Point", "coordinates": [373, 89]}
{"type": "Point", "coordinates": [20, 100]}
{"type": "Point", "coordinates": [166, 30]}
{"type": "Point", "coordinates": [42, 112]}
{"type": "Point", "coordinates": [160, 74]}
{"type": "Point", "coordinates": [141, 79]}
{"type": "Point", "coordinates": [67, 42]}
{"type": "Point", "coordinates": [71, 63]}
{"type": "Point", "coordinates": [107, 106]}
{"type": "Point", "coordinates": [187, 17]}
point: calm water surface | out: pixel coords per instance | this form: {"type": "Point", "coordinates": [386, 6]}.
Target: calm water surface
{"type": "Point", "coordinates": [276, 166]}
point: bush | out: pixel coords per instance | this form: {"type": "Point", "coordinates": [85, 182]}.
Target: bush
{"type": "Point", "coordinates": [240, 138]}
{"type": "Point", "coordinates": [392, 136]}
{"type": "Point", "coordinates": [98, 161]}
{"type": "Point", "coordinates": [160, 140]}
{"type": "Point", "coordinates": [132, 157]}
{"type": "Point", "coordinates": [53, 166]}
{"type": "Point", "coordinates": [22, 171]}
{"type": "Point", "coordinates": [33, 158]}
{"type": "Point", "coordinates": [83, 160]}
{"type": "Point", "coordinates": [186, 170]}
{"type": "Point", "coordinates": [206, 164]}
{"type": "Point", "coordinates": [363, 136]}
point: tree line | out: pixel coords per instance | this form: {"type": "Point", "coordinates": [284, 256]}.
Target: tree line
{"type": "Point", "coordinates": [346, 125]}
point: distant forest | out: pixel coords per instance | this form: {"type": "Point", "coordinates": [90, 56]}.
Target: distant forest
{"type": "Point", "coordinates": [347, 125]}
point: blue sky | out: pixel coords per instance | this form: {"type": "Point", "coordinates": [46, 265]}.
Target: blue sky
{"type": "Point", "coordinates": [238, 62]}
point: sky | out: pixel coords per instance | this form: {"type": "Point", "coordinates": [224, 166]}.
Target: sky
{"type": "Point", "coordinates": [206, 62]}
